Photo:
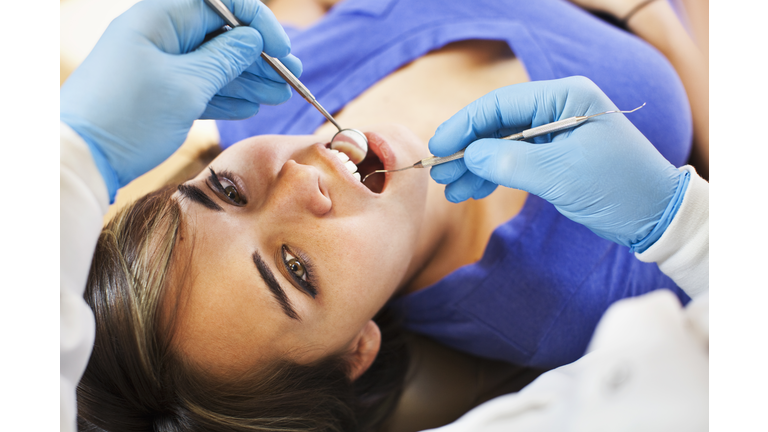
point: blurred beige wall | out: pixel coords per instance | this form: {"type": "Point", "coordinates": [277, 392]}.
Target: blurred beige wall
{"type": "Point", "coordinates": [82, 23]}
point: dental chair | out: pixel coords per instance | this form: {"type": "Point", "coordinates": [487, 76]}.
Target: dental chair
{"type": "Point", "coordinates": [442, 384]}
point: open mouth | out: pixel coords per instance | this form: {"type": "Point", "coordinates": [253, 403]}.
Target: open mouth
{"type": "Point", "coordinates": [370, 164]}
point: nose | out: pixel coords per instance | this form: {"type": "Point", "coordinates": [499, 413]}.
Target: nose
{"type": "Point", "coordinates": [300, 190]}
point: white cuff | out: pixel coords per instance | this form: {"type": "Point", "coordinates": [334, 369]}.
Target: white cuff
{"type": "Point", "coordinates": [682, 252]}
{"type": "Point", "coordinates": [83, 203]}
{"type": "Point", "coordinates": [75, 157]}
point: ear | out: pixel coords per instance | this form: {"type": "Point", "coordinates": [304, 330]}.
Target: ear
{"type": "Point", "coordinates": [364, 349]}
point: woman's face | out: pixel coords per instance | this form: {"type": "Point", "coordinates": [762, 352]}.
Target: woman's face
{"type": "Point", "coordinates": [291, 255]}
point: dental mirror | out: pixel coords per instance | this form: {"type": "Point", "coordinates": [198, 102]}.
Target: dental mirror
{"type": "Point", "coordinates": [352, 142]}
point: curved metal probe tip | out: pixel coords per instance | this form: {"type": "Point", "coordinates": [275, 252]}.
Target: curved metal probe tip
{"type": "Point", "coordinates": [616, 111]}
{"type": "Point", "coordinates": [385, 171]}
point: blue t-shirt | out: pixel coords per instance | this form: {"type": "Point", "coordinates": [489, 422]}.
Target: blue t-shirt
{"type": "Point", "coordinates": [543, 283]}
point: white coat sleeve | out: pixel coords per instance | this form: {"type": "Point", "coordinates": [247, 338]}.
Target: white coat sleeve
{"type": "Point", "coordinates": [84, 202]}
{"type": "Point", "coordinates": [647, 366]}
{"type": "Point", "coordinates": [682, 252]}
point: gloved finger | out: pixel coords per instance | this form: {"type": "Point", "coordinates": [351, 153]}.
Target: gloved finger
{"type": "Point", "coordinates": [464, 188]}
{"type": "Point", "coordinates": [293, 64]}
{"type": "Point", "coordinates": [255, 14]}
{"type": "Point", "coordinates": [448, 172]}
{"type": "Point", "coordinates": [515, 108]}
{"type": "Point", "coordinates": [262, 68]}
{"type": "Point", "coordinates": [225, 108]}
{"type": "Point", "coordinates": [517, 164]}
{"type": "Point", "coordinates": [223, 58]}
{"type": "Point", "coordinates": [508, 107]}
{"type": "Point", "coordinates": [256, 89]}
{"type": "Point", "coordinates": [483, 191]}
{"type": "Point", "coordinates": [179, 27]}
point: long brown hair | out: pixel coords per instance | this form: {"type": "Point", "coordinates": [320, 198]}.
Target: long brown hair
{"type": "Point", "coordinates": [135, 381]}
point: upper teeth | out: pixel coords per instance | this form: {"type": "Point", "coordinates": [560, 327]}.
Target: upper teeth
{"type": "Point", "coordinates": [347, 163]}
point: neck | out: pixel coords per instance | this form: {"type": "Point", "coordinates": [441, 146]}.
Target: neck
{"type": "Point", "coordinates": [454, 235]}
{"type": "Point", "coordinates": [438, 228]}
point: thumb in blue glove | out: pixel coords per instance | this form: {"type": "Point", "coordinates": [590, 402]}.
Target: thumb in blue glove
{"type": "Point", "coordinates": [135, 97]}
{"type": "Point", "coordinates": [603, 174]}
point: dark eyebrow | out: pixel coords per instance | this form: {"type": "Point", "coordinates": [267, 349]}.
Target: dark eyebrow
{"type": "Point", "coordinates": [274, 286]}
{"type": "Point", "coordinates": [195, 194]}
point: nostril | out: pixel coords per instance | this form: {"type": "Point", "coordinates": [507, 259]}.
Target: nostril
{"type": "Point", "coordinates": [302, 188]}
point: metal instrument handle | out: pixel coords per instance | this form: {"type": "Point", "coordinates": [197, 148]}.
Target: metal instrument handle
{"type": "Point", "coordinates": [435, 160]}
{"type": "Point", "coordinates": [294, 82]}
{"type": "Point", "coordinates": [528, 133]}
{"type": "Point", "coordinates": [224, 12]}
{"type": "Point", "coordinates": [547, 128]}
{"type": "Point", "coordinates": [276, 64]}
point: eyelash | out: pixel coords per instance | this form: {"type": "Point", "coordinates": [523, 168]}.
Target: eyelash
{"type": "Point", "coordinates": [308, 285]}
{"type": "Point", "coordinates": [228, 176]}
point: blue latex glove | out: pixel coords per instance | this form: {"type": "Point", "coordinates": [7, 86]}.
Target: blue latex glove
{"type": "Point", "coordinates": [603, 174]}
{"type": "Point", "coordinates": [134, 98]}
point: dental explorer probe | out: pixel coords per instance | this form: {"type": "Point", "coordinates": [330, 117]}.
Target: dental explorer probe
{"type": "Point", "coordinates": [357, 148]}
{"type": "Point", "coordinates": [570, 122]}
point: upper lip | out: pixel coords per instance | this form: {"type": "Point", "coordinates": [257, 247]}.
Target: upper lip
{"type": "Point", "coordinates": [337, 165]}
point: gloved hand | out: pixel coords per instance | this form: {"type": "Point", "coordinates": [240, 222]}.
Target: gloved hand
{"type": "Point", "coordinates": [134, 98]}
{"type": "Point", "coordinates": [603, 174]}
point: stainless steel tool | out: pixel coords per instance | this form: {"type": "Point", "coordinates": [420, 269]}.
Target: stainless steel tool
{"type": "Point", "coordinates": [559, 125]}
{"type": "Point", "coordinates": [355, 154]}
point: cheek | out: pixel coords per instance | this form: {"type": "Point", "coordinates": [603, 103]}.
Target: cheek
{"type": "Point", "coordinates": [264, 151]}
{"type": "Point", "coordinates": [371, 256]}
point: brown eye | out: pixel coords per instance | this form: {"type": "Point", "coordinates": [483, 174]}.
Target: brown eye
{"type": "Point", "coordinates": [301, 272]}
{"type": "Point", "coordinates": [232, 194]}
{"type": "Point", "coordinates": [228, 188]}
{"type": "Point", "coordinates": [296, 267]}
